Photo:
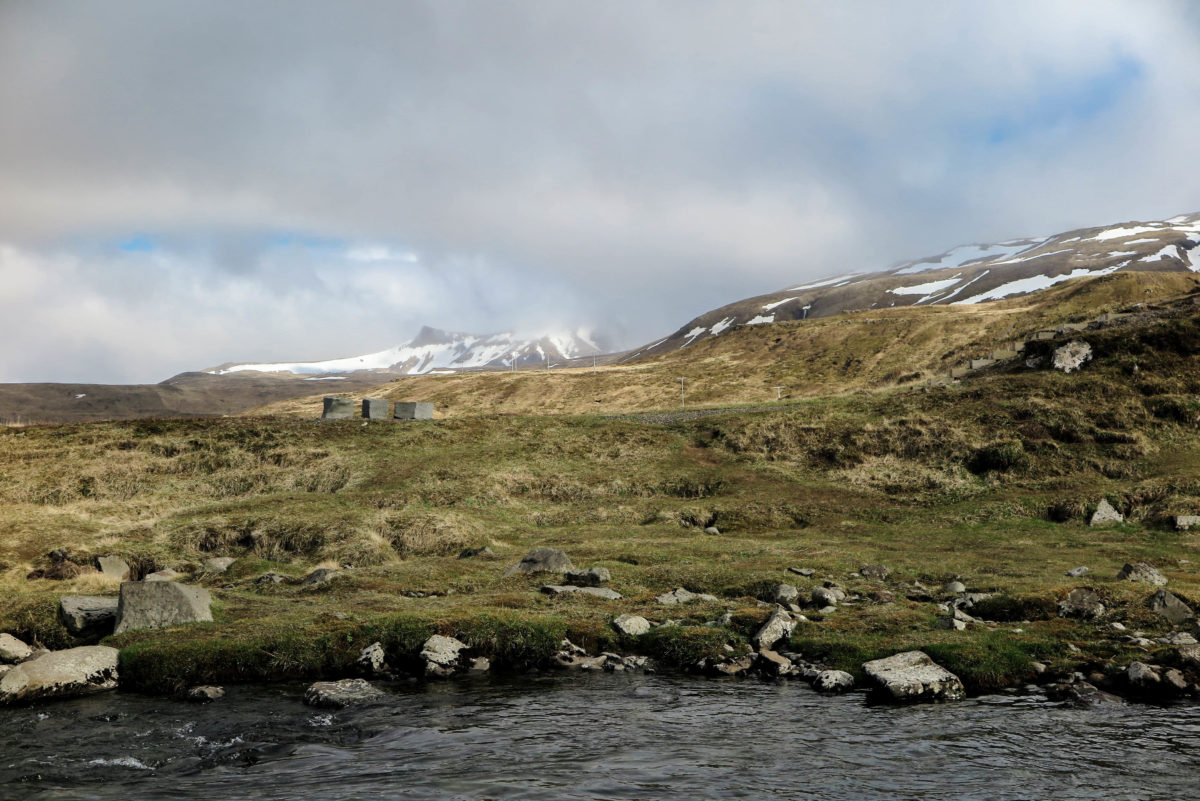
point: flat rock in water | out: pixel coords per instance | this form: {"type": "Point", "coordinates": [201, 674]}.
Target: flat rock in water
{"type": "Point", "coordinates": [88, 616]}
{"type": "Point", "coordinates": [682, 596]}
{"type": "Point", "coordinates": [341, 694]}
{"type": "Point", "coordinates": [160, 604]}
{"type": "Point", "coordinates": [592, 577]}
{"type": "Point", "coordinates": [631, 625]}
{"type": "Point", "coordinates": [571, 589]}
{"type": "Point", "coordinates": [1143, 572]}
{"type": "Point", "coordinates": [542, 560]}
{"type": "Point", "coordinates": [1105, 515]}
{"type": "Point", "coordinates": [204, 693]}
{"type": "Point", "coordinates": [1168, 605]}
{"type": "Point", "coordinates": [13, 650]}
{"type": "Point", "coordinates": [912, 676]}
{"type": "Point", "coordinates": [75, 671]}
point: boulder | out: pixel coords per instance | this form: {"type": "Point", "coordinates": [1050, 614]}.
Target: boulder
{"type": "Point", "coordinates": [912, 676]}
{"type": "Point", "coordinates": [785, 594]}
{"type": "Point", "coordinates": [113, 566]}
{"type": "Point", "coordinates": [592, 577]}
{"type": "Point", "coordinates": [1072, 356]}
{"type": "Point", "coordinates": [1142, 572]}
{"type": "Point", "coordinates": [218, 564]}
{"type": "Point", "coordinates": [570, 589]}
{"type": "Point", "coordinates": [779, 626]}
{"type": "Point", "coordinates": [876, 572]}
{"type": "Point", "coordinates": [371, 660]}
{"type": "Point", "coordinates": [166, 574]}
{"type": "Point", "coordinates": [712, 530]}
{"type": "Point", "coordinates": [1105, 515]}
{"type": "Point", "coordinates": [734, 667]}
{"type": "Point", "coordinates": [87, 616]}
{"type": "Point", "coordinates": [13, 650]}
{"type": "Point", "coordinates": [631, 625]}
{"type": "Point", "coordinates": [1142, 676]}
{"type": "Point", "coordinates": [1185, 522]}
{"type": "Point", "coordinates": [1190, 655]}
{"type": "Point", "coordinates": [827, 596]}
{"type": "Point", "coordinates": [341, 694]}
{"type": "Point", "coordinates": [1078, 572]}
{"type": "Point", "coordinates": [203, 694]}
{"type": "Point", "coordinates": [160, 604]}
{"type": "Point", "coordinates": [480, 664]}
{"type": "Point", "coordinates": [542, 560]}
{"type": "Point", "coordinates": [955, 586]}
{"type": "Point", "coordinates": [774, 664]}
{"type": "Point", "coordinates": [320, 577]}
{"type": "Point", "coordinates": [1167, 605]}
{"type": "Point", "coordinates": [833, 681]}
{"type": "Point", "coordinates": [442, 655]}
{"type": "Point", "coordinates": [75, 671]}
{"type": "Point", "coordinates": [1081, 603]}
{"type": "Point", "coordinates": [1081, 694]}
{"type": "Point", "coordinates": [802, 571]}
{"type": "Point", "coordinates": [682, 596]}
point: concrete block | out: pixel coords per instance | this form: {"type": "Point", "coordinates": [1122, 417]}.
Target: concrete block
{"type": "Point", "coordinates": [376, 408]}
{"type": "Point", "coordinates": [409, 410]}
{"type": "Point", "coordinates": [338, 409]}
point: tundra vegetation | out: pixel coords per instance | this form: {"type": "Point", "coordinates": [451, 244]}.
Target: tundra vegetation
{"type": "Point", "coordinates": [989, 481]}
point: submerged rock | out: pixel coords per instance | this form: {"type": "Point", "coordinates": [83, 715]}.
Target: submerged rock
{"type": "Point", "coordinates": [341, 694]}
{"type": "Point", "coordinates": [157, 605]}
{"type": "Point", "coordinates": [833, 681]}
{"type": "Point", "coordinates": [912, 676]}
{"type": "Point", "coordinates": [542, 560]}
{"type": "Point", "coordinates": [75, 671]}
{"type": "Point", "coordinates": [1081, 694]}
{"type": "Point", "coordinates": [204, 693]}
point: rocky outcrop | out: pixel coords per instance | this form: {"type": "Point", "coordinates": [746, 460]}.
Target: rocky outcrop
{"type": "Point", "coordinates": [542, 560]}
{"type": "Point", "coordinates": [1105, 515]}
{"type": "Point", "coordinates": [1081, 603]}
{"type": "Point", "coordinates": [1142, 572]}
{"type": "Point", "coordinates": [13, 650]}
{"type": "Point", "coordinates": [157, 605]}
{"type": "Point", "coordinates": [913, 677]}
{"type": "Point", "coordinates": [592, 577]}
{"type": "Point", "coordinates": [1168, 605]}
{"type": "Point", "coordinates": [87, 616]}
{"type": "Point", "coordinates": [75, 671]}
{"type": "Point", "coordinates": [631, 625]}
{"type": "Point", "coordinates": [341, 694]}
{"type": "Point", "coordinates": [442, 656]}
{"type": "Point", "coordinates": [571, 589]}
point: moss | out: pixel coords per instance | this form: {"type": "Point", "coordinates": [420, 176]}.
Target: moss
{"type": "Point", "coordinates": [684, 646]}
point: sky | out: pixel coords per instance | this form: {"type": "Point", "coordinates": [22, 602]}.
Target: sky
{"type": "Point", "coordinates": [187, 184]}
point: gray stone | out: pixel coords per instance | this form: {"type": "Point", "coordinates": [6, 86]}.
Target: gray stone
{"type": "Point", "coordinates": [337, 409]}
{"type": "Point", "coordinates": [826, 596]}
{"type": "Point", "coordinates": [774, 664]}
{"type": "Point", "coordinates": [712, 530]}
{"type": "Point", "coordinates": [1142, 676]}
{"type": "Point", "coordinates": [341, 694]}
{"type": "Point", "coordinates": [320, 577]}
{"type": "Point", "coordinates": [1078, 572]}
{"type": "Point", "coordinates": [1072, 356]}
{"type": "Point", "coordinates": [955, 587]}
{"type": "Point", "coordinates": [802, 571]}
{"type": "Point", "coordinates": [1105, 514]}
{"type": "Point", "coordinates": [1190, 655]}
{"type": "Point", "coordinates": [113, 566]}
{"type": "Point", "coordinates": [468, 553]}
{"type": "Point", "coordinates": [1185, 522]}
{"type": "Point", "coordinates": [75, 671]}
{"type": "Point", "coordinates": [218, 564]}
{"type": "Point", "coordinates": [1081, 603]}
{"type": "Point", "coordinates": [734, 667]}
{"type": "Point", "coordinates": [1167, 605]}
{"type": "Point", "coordinates": [592, 577]}
{"type": "Point", "coordinates": [950, 623]}
{"type": "Point", "coordinates": [631, 625]}
{"type": "Point", "coordinates": [1178, 638]}
{"type": "Point", "coordinates": [376, 408]}
{"type": "Point", "coordinates": [166, 574]}
{"type": "Point", "coordinates": [442, 655]}
{"type": "Point", "coordinates": [833, 681]}
{"type": "Point", "coordinates": [877, 572]}
{"type": "Point", "coordinates": [270, 578]}
{"type": "Point", "coordinates": [1142, 572]}
{"type": "Point", "coordinates": [372, 660]}
{"type": "Point", "coordinates": [778, 627]}
{"type": "Point", "coordinates": [1081, 694]}
{"type": "Point", "coordinates": [204, 693]}
{"type": "Point", "coordinates": [542, 560]}
{"type": "Point", "coordinates": [160, 604]}
{"type": "Point", "coordinates": [480, 664]}
{"type": "Point", "coordinates": [785, 594]}
{"type": "Point", "coordinates": [913, 676]}
{"type": "Point", "coordinates": [88, 616]}
{"type": "Point", "coordinates": [571, 589]}
{"type": "Point", "coordinates": [682, 596]}
{"type": "Point", "coordinates": [408, 410]}
{"type": "Point", "coordinates": [13, 650]}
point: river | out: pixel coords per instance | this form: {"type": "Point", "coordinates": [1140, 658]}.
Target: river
{"type": "Point", "coordinates": [600, 736]}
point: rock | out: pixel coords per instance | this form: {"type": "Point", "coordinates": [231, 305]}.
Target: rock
{"type": "Point", "coordinates": [87, 616]}
{"type": "Point", "coordinates": [372, 659]}
{"type": "Point", "coordinates": [480, 664]}
{"type": "Point", "coordinates": [166, 574]}
{"type": "Point", "coordinates": [774, 664]}
{"type": "Point", "coordinates": [113, 566]}
{"type": "Point", "coordinates": [1190, 655]}
{"type": "Point", "coordinates": [13, 650]}
{"type": "Point", "coordinates": [341, 694]}
{"type": "Point", "coordinates": [950, 623]}
{"type": "Point", "coordinates": [955, 587]}
{"type": "Point", "coordinates": [682, 596]}
{"type": "Point", "coordinates": [269, 578]}
{"type": "Point", "coordinates": [824, 596]}
{"type": "Point", "coordinates": [468, 553]}
{"type": "Point", "coordinates": [734, 667]}
{"type": "Point", "coordinates": [912, 676]}
{"type": "Point", "coordinates": [542, 560]}
{"type": "Point", "coordinates": [712, 530]}
{"type": "Point", "coordinates": [1143, 572]}
{"type": "Point", "coordinates": [1081, 603]}
{"type": "Point", "coordinates": [75, 671]}
{"type": "Point", "coordinates": [1105, 514]}
{"type": "Point", "coordinates": [631, 625]}
{"type": "Point", "coordinates": [1142, 676]}
{"type": "Point", "coordinates": [218, 564]}
{"type": "Point", "coordinates": [204, 694]}
{"type": "Point", "coordinates": [827, 610]}
{"type": "Point", "coordinates": [1071, 356]}
{"type": "Point", "coordinates": [802, 571]}
{"type": "Point", "coordinates": [1081, 694]}
{"type": "Point", "coordinates": [442, 655]}
{"type": "Point", "coordinates": [778, 626]}
{"type": "Point", "coordinates": [876, 572]}
{"type": "Point", "coordinates": [320, 577]}
{"type": "Point", "coordinates": [1173, 681]}
{"type": "Point", "coordinates": [833, 681]}
{"type": "Point", "coordinates": [569, 589]}
{"type": "Point", "coordinates": [592, 577]}
{"type": "Point", "coordinates": [1185, 522]}
{"type": "Point", "coordinates": [160, 604]}
{"type": "Point", "coordinates": [1078, 572]}
{"type": "Point", "coordinates": [785, 594]}
{"type": "Point", "coordinates": [882, 596]}
{"type": "Point", "coordinates": [1166, 604]}
{"type": "Point", "coordinates": [1178, 638]}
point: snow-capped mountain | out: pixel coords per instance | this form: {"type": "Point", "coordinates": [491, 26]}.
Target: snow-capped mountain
{"type": "Point", "coordinates": [433, 351]}
{"type": "Point", "coordinates": [964, 275]}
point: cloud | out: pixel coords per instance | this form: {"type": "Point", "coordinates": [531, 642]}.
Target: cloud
{"type": "Point", "coordinates": [509, 165]}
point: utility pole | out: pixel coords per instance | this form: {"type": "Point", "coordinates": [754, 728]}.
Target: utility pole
{"type": "Point", "coordinates": [778, 390]}
{"type": "Point", "coordinates": [682, 395]}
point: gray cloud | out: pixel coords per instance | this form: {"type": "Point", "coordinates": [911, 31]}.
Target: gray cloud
{"type": "Point", "coordinates": [622, 164]}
